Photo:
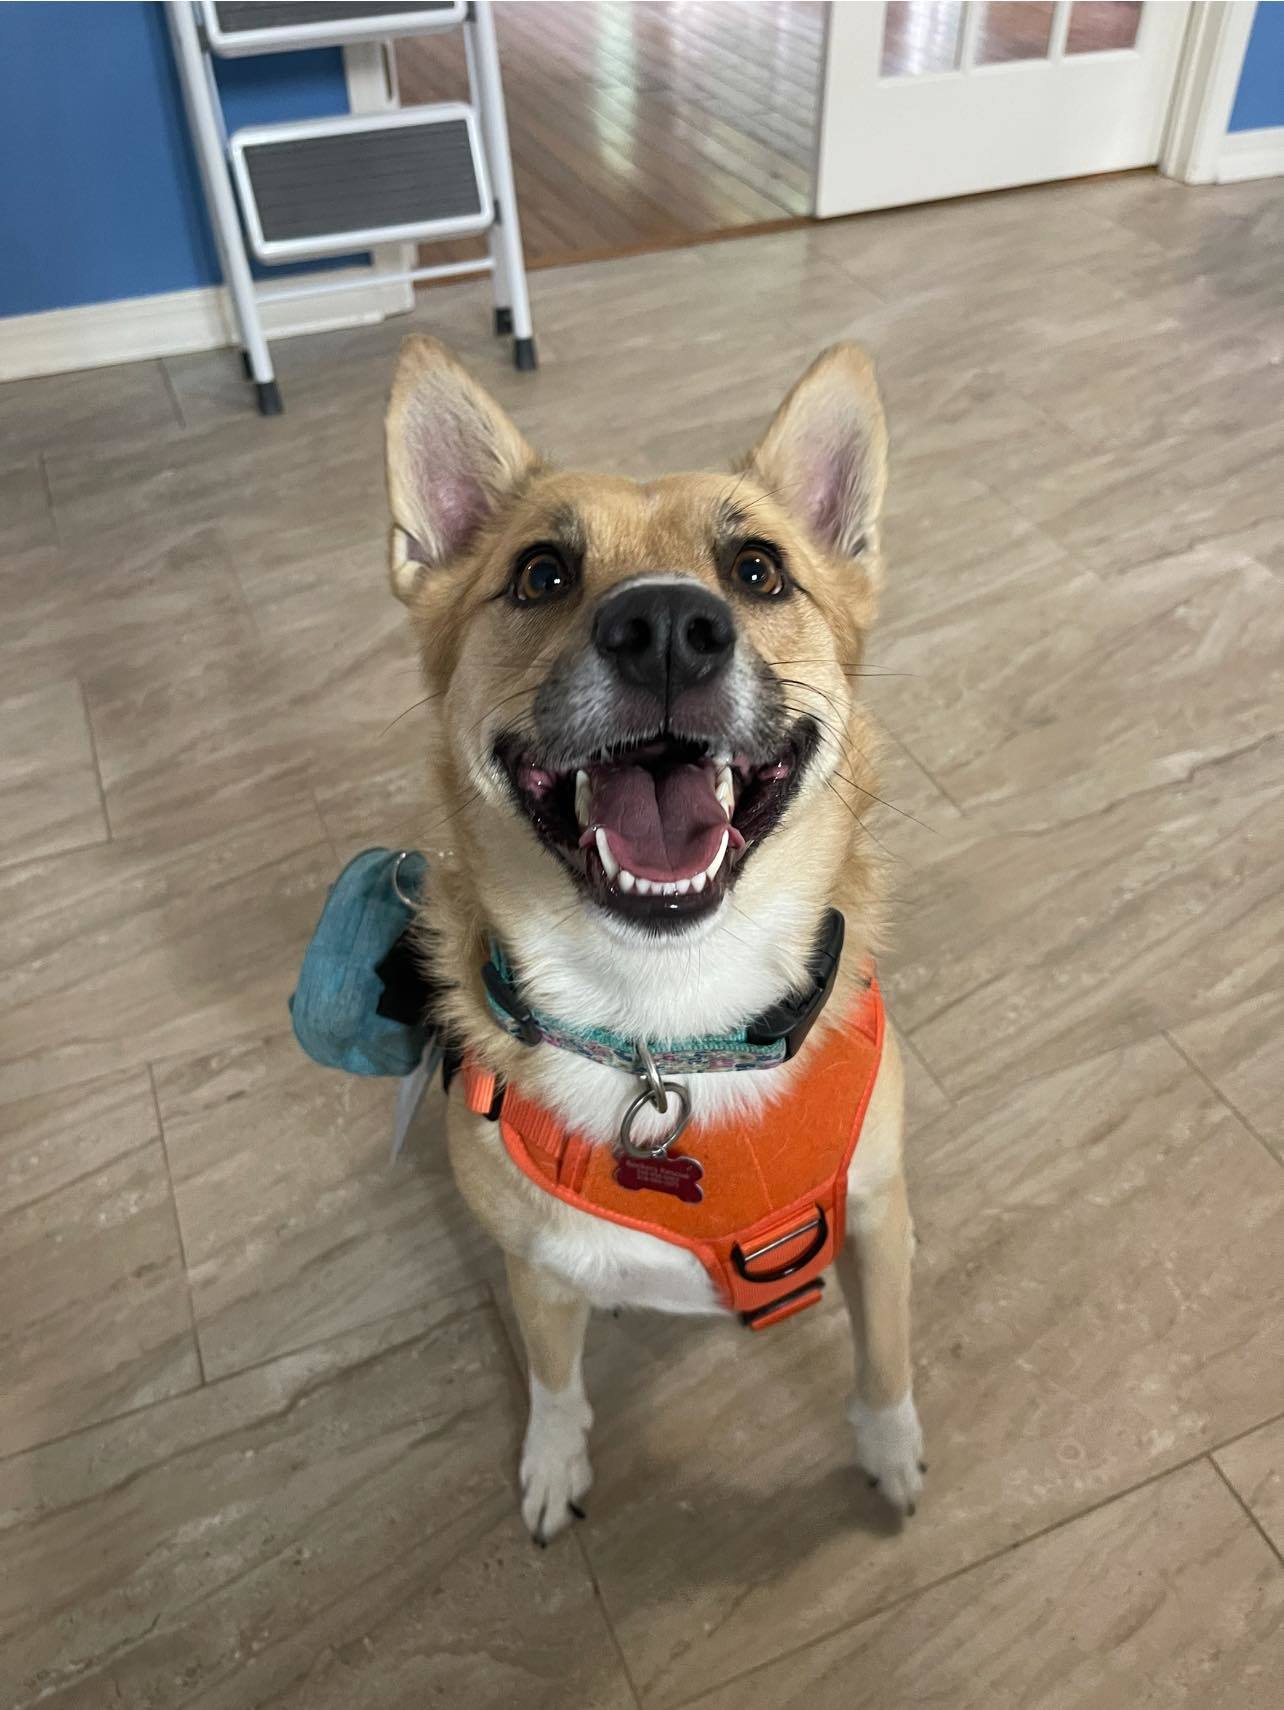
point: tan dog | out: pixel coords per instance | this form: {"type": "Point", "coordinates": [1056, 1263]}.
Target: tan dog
{"type": "Point", "coordinates": [659, 661]}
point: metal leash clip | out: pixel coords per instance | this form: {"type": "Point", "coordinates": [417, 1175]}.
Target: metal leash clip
{"type": "Point", "coordinates": [403, 855]}
{"type": "Point", "coordinates": [656, 1092]}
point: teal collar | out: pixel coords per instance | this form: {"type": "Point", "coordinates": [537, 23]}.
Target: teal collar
{"type": "Point", "coordinates": [768, 1040]}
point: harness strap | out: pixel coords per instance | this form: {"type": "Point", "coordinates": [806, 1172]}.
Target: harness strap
{"type": "Point", "coordinates": [770, 1267]}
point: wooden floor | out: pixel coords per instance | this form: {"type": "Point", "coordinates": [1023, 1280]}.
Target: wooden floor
{"type": "Point", "coordinates": [643, 125]}
{"type": "Point", "coordinates": [648, 124]}
{"type": "Point", "coordinates": [259, 1410]}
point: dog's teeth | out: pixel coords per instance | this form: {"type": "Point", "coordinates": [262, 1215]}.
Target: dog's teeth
{"type": "Point", "coordinates": [713, 866]}
{"type": "Point", "coordinates": [627, 881]}
{"type": "Point", "coordinates": [724, 789]}
{"type": "Point", "coordinates": [682, 887]}
{"type": "Point", "coordinates": [699, 882]}
{"type": "Point", "coordinates": [608, 860]}
{"type": "Point", "coordinates": [583, 798]}
{"type": "Point", "coordinates": [645, 887]}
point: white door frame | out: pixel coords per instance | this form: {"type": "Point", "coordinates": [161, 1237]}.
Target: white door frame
{"type": "Point", "coordinates": [1207, 80]}
{"type": "Point", "coordinates": [1203, 94]}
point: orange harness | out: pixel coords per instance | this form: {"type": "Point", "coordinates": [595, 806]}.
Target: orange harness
{"type": "Point", "coordinates": [773, 1210]}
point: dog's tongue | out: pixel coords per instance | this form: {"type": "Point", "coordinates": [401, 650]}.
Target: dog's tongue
{"type": "Point", "coordinates": [663, 828]}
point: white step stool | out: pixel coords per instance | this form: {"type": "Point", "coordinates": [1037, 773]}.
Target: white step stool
{"type": "Point", "coordinates": [322, 187]}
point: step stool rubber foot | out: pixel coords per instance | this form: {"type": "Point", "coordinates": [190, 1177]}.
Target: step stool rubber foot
{"type": "Point", "coordinates": [524, 356]}
{"type": "Point", "coordinates": [247, 367]}
{"type": "Point", "coordinates": [269, 397]}
{"type": "Point", "coordinates": [503, 323]}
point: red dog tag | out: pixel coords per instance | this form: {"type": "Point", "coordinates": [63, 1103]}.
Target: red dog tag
{"type": "Point", "coordinates": [678, 1176]}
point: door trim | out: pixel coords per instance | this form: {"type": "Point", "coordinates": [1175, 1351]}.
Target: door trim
{"type": "Point", "coordinates": [1204, 93]}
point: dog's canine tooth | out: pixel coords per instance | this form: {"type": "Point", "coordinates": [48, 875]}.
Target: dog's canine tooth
{"type": "Point", "coordinates": [583, 798]}
{"type": "Point", "coordinates": [725, 791]}
{"type": "Point", "coordinates": [627, 881]}
{"type": "Point", "coordinates": [611, 865]}
{"type": "Point", "coordinates": [712, 868]}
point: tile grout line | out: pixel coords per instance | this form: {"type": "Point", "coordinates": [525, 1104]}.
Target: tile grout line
{"type": "Point", "coordinates": [93, 755]}
{"type": "Point", "coordinates": [243, 599]}
{"type": "Point", "coordinates": [519, 1366]}
{"type": "Point", "coordinates": [1249, 1514]}
{"type": "Point", "coordinates": [924, 1066]}
{"type": "Point", "coordinates": [175, 401]}
{"type": "Point", "coordinates": [987, 1560]}
{"type": "Point", "coordinates": [600, 1599]}
{"type": "Point", "coordinates": [178, 1227]}
{"type": "Point", "coordinates": [927, 773]}
{"type": "Point", "coordinates": [43, 461]}
{"type": "Point", "coordinates": [1221, 1097]}
{"type": "Point", "coordinates": [220, 1378]}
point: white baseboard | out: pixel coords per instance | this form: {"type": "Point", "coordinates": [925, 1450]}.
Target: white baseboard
{"type": "Point", "coordinates": [1251, 154]}
{"type": "Point", "coordinates": [135, 328]}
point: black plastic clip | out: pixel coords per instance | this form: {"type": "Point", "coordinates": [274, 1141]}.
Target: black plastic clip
{"type": "Point", "coordinates": [793, 1018]}
{"type": "Point", "coordinates": [503, 995]}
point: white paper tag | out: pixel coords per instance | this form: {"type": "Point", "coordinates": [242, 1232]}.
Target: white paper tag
{"type": "Point", "coordinates": [410, 1092]}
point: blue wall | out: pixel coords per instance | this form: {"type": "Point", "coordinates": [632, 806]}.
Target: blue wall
{"type": "Point", "coordinates": [100, 196]}
{"type": "Point", "coordinates": [1259, 101]}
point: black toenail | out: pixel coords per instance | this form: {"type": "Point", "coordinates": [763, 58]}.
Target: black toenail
{"type": "Point", "coordinates": [922, 1466]}
{"type": "Point", "coordinates": [872, 1481]}
{"type": "Point", "coordinates": [577, 1511]}
{"type": "Point", "coordinates": [912, 1510]}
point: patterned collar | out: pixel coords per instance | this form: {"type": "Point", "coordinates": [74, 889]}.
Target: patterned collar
{"type": "Point", "coordinates": [768, 1040]}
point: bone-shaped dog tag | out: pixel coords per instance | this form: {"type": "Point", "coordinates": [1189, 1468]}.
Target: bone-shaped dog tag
{"type": "Point", "coordinates": [678, 1176]}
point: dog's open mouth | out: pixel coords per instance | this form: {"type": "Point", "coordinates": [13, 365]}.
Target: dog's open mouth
{"type": "Point", "coordinates": [657, 831]}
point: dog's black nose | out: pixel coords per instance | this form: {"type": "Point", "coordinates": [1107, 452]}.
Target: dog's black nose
{"type": "Point", "coordinates": [665, 636]}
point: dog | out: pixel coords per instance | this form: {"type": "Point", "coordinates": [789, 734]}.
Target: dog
{"type": "Point", "coordinates": [649, 755]}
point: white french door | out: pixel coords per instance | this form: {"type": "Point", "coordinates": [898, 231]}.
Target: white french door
{"type": "Point", "coordinates": [923, 101]}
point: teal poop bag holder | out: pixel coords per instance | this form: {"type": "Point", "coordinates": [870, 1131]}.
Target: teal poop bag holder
{"type": "Point", "coordinates": [335, 1007]}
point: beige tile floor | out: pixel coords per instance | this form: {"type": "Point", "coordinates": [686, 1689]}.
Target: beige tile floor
{"type": "Point", "coordinates": [259, 1404]}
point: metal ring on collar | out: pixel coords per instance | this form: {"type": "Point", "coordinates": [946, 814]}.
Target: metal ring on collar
{"type": "Point", "coordinates": [403, 855]}
{"type": "Point", "coordinates": [650, 1075]}
{"type": "Point", "coordinates": [626, 1125]}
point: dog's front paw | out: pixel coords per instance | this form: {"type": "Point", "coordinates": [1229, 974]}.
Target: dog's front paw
{"type": "Point", "coordinates": [889, 1446]}
{"type": "Point", "coordinates": [555, 1470]}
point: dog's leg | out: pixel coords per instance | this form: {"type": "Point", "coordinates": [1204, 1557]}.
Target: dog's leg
{"type": "Point", "coordinates": [555, 1471]}
{"type": "Point", "coordinates": [874, 1269]}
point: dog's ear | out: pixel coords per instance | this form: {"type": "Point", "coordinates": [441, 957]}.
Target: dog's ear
{"type": "Point", "coordinates": [453, 456]}
{"type": "Point", "coordinates": [824, 457]}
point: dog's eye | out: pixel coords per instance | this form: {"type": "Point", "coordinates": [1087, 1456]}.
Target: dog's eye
{"type": "Point", "coordinates": [759, 571]}
{"type": "Point", "coordinates": [541, 574]}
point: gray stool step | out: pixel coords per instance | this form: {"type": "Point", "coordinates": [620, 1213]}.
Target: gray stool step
{"type": "Point", "coordinates": [332, 185]}
{"type": "Point", "coordinates": [235, 27]}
